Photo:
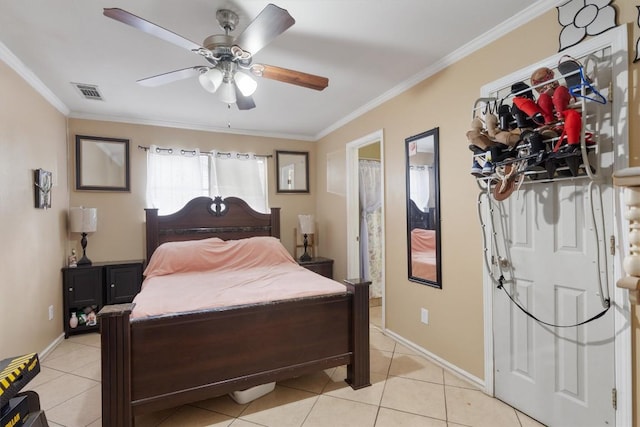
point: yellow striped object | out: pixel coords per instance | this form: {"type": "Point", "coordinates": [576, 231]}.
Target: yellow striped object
{"type": "Point", "coordinates": [15, 369]}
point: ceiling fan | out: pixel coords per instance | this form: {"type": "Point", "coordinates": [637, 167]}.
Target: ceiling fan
{"type": "Point", "coordinates": [228, 57]}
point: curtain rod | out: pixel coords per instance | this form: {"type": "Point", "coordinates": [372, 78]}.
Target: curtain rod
{"type": "Point", "coordinates": [210, 153]}
{"type": "Point", "coordinates": [420, 167]}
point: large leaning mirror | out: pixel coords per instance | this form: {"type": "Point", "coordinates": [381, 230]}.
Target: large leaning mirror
{"type": "Point", "coordinates": [102, 163]}
{"type": "Point", "coordinates": [423, 208]}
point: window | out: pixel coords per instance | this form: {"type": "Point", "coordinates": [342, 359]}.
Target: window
{"type": "Point", "coordinates": [420, 186]}
{"type": "Point", "coordinates": [176, 176]}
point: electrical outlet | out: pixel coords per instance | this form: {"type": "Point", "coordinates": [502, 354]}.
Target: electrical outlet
{"type": "Point", "coordinates": [424, 316]}
{"type": "Point", "coordinates": [50, 312]}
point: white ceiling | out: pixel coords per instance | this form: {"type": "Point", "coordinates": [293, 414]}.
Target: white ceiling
{"type": "Point", "coordinates": [369, 49]}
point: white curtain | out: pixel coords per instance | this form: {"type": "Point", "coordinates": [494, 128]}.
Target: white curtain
{"type": "Point", "coordinates": [240, 175]}
{"type": "Point", "coordinates": [371, 225]}
{"type": "Point", "coordinates": [420, 186]}
{"type": "Point", "coordinates": [173, 178]}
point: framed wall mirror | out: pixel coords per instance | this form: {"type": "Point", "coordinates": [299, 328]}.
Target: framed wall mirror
{"type": "Point", "coordinates": [102, 163]}
{"type": "Point", "coordinates": [292, 168]}
{"type": "Point", "coordinates": [423, 209]}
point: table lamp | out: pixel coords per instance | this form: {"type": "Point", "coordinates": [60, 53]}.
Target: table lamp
{"type": "Point", "coordinates": [306, 225]}
{"type": "Point", "coordinates": [83, 220]}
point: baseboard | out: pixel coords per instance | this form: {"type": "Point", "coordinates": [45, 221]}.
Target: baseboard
{"type": "Point", "coordinates": [44, 353]}
{"type": "Point", "coordinates": [455, 370]}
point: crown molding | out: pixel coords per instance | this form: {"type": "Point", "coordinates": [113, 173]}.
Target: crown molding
{"type": "Point", "coordinates": [521, 18]}
{"type": "Point", "coordinates": [189, 125]}
{"type": "Point", "coordinates": [18, 66]}
{"type": "Point", "coordinates": [536, 9]}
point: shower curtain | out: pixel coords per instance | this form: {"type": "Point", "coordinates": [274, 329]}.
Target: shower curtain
{"type": "Point", "coordinates": [371, 225]}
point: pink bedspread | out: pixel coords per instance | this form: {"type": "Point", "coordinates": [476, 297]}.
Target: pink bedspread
{"type": "Point", "coordinates": [211, 273]}
{"type": "Point", "coordinates": [423, 254]}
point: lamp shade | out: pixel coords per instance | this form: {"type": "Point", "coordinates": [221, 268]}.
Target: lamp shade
{"type": "Point", "coordinates": [246, 84]}
{"type": "Point", "coordinates": [211, 80]}
{"type": "Point", "coordinates": [83, 220]}
{"type": "Point", "coordinates": [306, 224]}
{"type": "Point", "coordinates": [227, 93]}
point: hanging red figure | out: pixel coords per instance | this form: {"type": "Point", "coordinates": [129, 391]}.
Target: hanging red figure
{"type": "Point", "coordinates": [571, 129]}
{"type": "Point", "coordinates": [552, 96]}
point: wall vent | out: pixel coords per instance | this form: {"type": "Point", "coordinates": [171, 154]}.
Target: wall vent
{"type": "Point", "coordinates": [88, 91]}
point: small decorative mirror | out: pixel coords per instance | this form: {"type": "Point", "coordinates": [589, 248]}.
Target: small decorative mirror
{"type": "Point", "coordinates": [292, 168]}
{"type": "Point", "coordinates": [102, 163]}
{"type": "Point", "coordinates": [423, 208]}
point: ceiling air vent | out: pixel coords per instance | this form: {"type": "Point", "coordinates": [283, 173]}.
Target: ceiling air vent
{"type": "Point", "coordinates": [88, 91]}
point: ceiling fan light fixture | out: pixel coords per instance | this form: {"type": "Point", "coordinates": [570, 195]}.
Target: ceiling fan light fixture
{"type": "Point", "coordinates": [227, 54]}
{"type": "Point", "coordinates": [227, 93]}
{"type": "Point", "coordinates": [211, 80]}
{"type": "Point", "coordinates": [246, 84]}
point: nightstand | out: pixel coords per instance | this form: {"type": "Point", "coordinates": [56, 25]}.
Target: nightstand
{"type": "Point", "coordinates": [320, 265]}
{"type": "Point", "coordinates": [99, 284]}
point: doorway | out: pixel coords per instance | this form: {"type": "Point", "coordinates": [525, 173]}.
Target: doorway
{"type": "Point", "coordinates": [554, 238]}
{"type": "Point", "coordinates": [365, 213]}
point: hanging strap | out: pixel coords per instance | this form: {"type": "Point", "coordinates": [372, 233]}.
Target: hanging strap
{"type": "Point", "coordinates": [597, 316]}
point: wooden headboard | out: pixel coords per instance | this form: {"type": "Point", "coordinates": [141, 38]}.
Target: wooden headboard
{"type": "Point", "coordinates": [203, 217]}
{"type": "Point", "coordinates": [417, 218]}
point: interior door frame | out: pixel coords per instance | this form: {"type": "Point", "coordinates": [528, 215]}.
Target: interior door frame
{"type": "Point", "coordinates": [353, 203]}
{"type": "Point", "coordinates": [617, 40]}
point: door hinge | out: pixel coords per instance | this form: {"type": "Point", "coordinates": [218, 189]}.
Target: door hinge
{"type": "Point", "coordinates": [612, 245]}
{"type": "Point", "coordinates": [610, 95]}
{"type": "Point", "coordinates": [614, 398]}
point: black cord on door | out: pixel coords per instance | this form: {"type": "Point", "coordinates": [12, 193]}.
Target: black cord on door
{"type": "Point", "coordinates": [597, 316]}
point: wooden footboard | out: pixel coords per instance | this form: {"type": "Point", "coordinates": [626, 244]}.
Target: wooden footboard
{"type": "Point", "coordinates": [115, 345]}
{"type": "Point", "coordinates": [358, 372]}
{"type": "Point", "coordinates": [151, 364]}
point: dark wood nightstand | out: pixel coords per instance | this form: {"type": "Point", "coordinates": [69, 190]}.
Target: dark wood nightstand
{"type": "Point", "coordinates": [320, 265]}
{"type": "Point", "coordinates": [99, 284]}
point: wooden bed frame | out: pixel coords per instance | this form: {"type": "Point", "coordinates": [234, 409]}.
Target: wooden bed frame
{"type": "Point", "coordinates": [156, 363]}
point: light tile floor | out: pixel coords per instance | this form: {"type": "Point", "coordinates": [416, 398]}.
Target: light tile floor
{"type": "Point", "coordinates": [407, 390]}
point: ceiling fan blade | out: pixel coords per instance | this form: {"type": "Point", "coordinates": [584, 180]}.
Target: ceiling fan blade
{"type": "Point", "coordinates": [171, 76]}
{"type": "Point", "coordinates": [268, 25]}
{"type": "Point", "coordinates": [290, 76]}
{"type": "Point", "coordinates": [244, 102]}
{"type": "Point", "coordinates": [150, 28]}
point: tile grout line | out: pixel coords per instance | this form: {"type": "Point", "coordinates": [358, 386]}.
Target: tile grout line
{"type": "Point", "coordinates": [306, 417]}
{"type": "Point", "coordinates": [444, 392]}
{"type": "Point", "coordinates": [73, 397]}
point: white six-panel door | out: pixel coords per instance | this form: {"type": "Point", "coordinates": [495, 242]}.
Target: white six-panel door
{"type": "Point", "coordinates": [560, 376]}
{"type": "Point", "coordinates": [552, 247]}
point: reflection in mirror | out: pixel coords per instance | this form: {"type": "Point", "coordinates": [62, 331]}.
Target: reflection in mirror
{"type": "Point", "coordinates": [102, 163]}
{"type": "Point", "coordinates": [293, 171]}
{"type": "Point", "coordinates": [423, 208]}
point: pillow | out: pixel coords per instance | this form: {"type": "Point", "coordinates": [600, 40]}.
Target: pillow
{"type": "Point", "coordinates": [259, 251]}
{"type": "Point", "coordinates": [216, 254]}
{"type": "Point", "coordinates": [174, 257]}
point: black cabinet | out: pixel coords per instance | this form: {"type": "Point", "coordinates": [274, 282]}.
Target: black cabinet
{"type": "Point", "coordinates": [320, 265]}
{"type": "Point", "coordinates": [84, 287]}
{"type": "Point", "coordinates": [93, 286]}
{"type": "Point", "coordinates": [122, 282]}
